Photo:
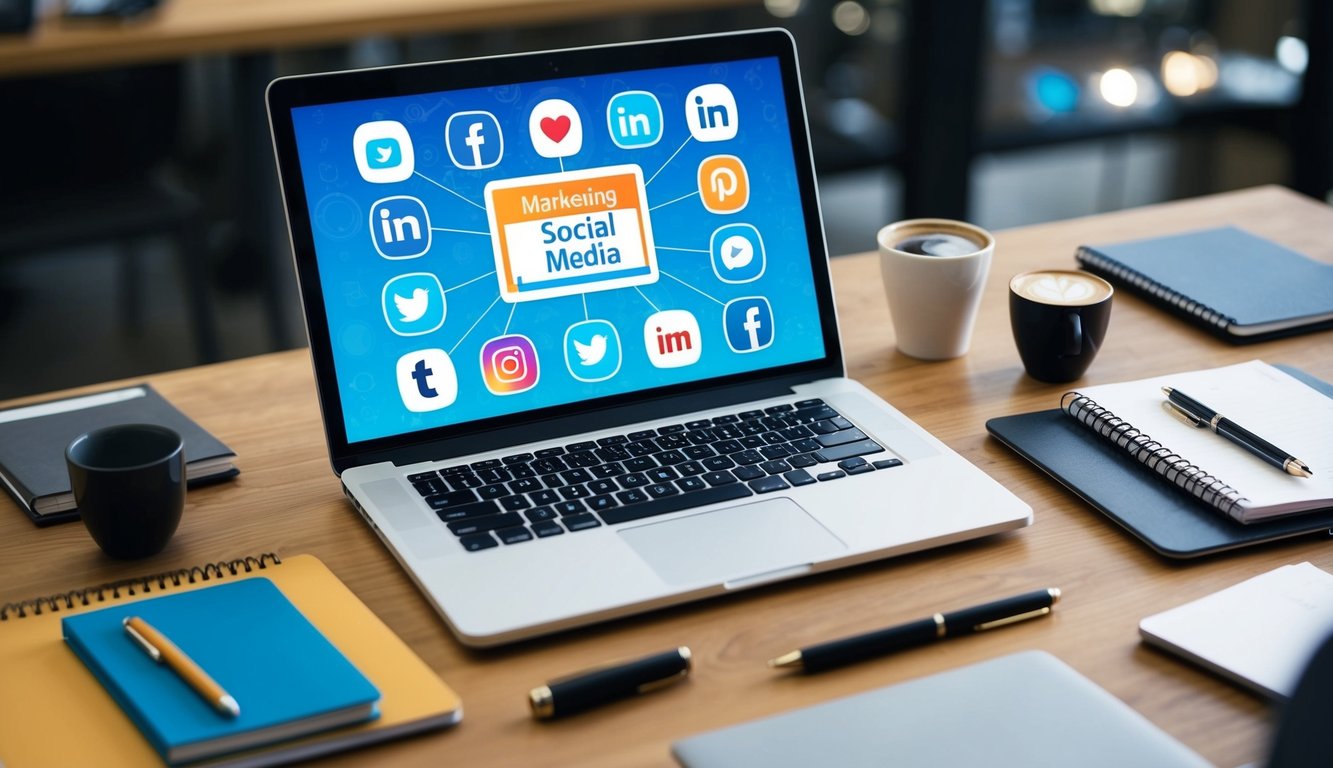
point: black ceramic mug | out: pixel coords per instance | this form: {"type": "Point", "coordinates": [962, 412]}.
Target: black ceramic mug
{"type": "Point", "coordinates": [129, 484]}
{"type": "Point", "coordinates": [1059, 319]}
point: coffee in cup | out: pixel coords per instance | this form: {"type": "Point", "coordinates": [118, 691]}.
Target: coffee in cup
{"type": "Point", "coordinates": [934, 271]}
{"type": "Point", "coordinates": [1059, 319]}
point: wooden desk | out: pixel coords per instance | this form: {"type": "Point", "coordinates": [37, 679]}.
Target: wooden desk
{"type": "Point", "coordinates": [287, 500]}
{"type": "Point", "coordinates": [184, 28]}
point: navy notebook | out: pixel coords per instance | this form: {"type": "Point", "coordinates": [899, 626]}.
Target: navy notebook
{"type": "Point", "coordinates": [288, 679]}
{"type": "Point", "coordinates": [1166, 518]}
{"type": "Point", "coordinates": [1235, 284]}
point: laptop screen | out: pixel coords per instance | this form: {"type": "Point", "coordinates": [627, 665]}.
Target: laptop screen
{"type": "Point", "coordinates": [520, 246]}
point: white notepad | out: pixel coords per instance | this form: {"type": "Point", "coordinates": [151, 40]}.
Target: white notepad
{"type": "Point", "coordinates": [1260, 633]}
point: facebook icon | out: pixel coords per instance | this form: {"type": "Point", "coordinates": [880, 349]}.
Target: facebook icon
{"type": "Point", "coordinates": [748, 324]}
{"type": "Point", "coordinates": [474, 140]}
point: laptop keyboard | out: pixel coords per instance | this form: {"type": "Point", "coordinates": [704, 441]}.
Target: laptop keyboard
{"type": "Point", "coordinates": [646, 473]}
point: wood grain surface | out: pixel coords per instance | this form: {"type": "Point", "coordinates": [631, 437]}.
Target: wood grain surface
{"type": "Point", "coordinates": [183, 28]}
{"type": "Point", "coordinates": [288, 501]}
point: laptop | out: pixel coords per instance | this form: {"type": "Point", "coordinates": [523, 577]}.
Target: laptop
{"type": "Point", "coordinates": [574, 335]}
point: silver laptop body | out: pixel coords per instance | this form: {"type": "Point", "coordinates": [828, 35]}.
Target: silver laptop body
{"type": "Point", "coordinates": [574, 338]}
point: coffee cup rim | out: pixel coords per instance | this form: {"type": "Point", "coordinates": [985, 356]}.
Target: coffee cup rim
{"type": "Point", "coordinates": [972, 231]}
{"type": "Point", "coordinates": [95, 433]}
{"type": "Point", "coordinates": [1110, 289]}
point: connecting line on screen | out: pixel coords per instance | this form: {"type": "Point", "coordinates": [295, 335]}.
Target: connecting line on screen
{"type": "Point", "coordinates": [682, 250]}
{"type": "Point", "coordinates": [584, 296]}
{"type": "Point", "coordinates": [474, 326]}
{"type": "Point", "coordinates": [691, 287]}
{"type": "Point", "coordinates": [460, 231]}
{"type": "Point", "coordinates": [645, 298]}
{"type": "Point", "coordinates": [677, 200]}
{"type": "Point", "coordinates": [508, 322]}
{"type": "Point", "coordinates": [470, 282]}
{"type": "Point", "coordinates": [562, 164]}
{"type": "Point", "coordinates": [450, 191]}
{"type": "Point", "coordinates": [668, 160]}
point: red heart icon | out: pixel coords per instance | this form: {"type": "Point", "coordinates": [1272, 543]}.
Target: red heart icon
{"type": "Point", "coordinates": [556, 129]}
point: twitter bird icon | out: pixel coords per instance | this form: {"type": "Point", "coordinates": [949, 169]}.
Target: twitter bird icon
{"type": "Point", "coordinates": [414, 304]}
{"type": "Point", "coordinates": [412, 309]}
{"type": "Point", "coordinates": [592, 350]}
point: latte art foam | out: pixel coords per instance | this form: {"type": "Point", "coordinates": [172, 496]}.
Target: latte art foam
{"type": "Point", "coordinates": [1073, 289]}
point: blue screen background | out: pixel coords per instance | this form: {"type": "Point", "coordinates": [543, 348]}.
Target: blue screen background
{"type": "Point", "coordinates": [353, 274]}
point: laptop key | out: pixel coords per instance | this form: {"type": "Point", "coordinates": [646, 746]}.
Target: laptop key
{"type": "Point", "coordinates": [611, 453]}
{"type": "Point", "coordinates": [806, 445]}
{"type": "Point", "coordinates": [485, 464]}
{"type": "Point", "coordinates": [576, 476]}
{"type": "Point", "coordinates": [469, 480]}
{"type": "Point", "coordinates": [599, 503]}
{"type": "Point", "coordinates": [698, 424]}
{"type": "Point", "coordinates": [841, 423]}
{"type": "Point", "coordinates": [520, 471]}
{"type": "Point", "coordinates": [691, 484]}
{"type": "Point", "coordinates": [838, 453]}
{"type": "Point", "coordinates": [727, 446]}
{"type": "Point", "coordinates": [676, 503]}
{"type": "Point", "coordinates": [747, 457]}
{"type": "Point", "coordinates": [662, 490]}
{"type": "Point", "coordinates": [603, 471]}
{"type": "Point", "coordinates": [613, 440]}
{"type": "Point", "coordinates": [514, 535]}
{"type": "Point", "coordinates": [582, 522]}
{"type": "Point", "coordinates": [494, 491]}
{"type": "Point", "coordinates": [495, 475]}
{"type": "Point", "coordinates": [641, 447]}
{"type": "Point", "coordinates": [833, 475]}
{"type": "Point", "coordinates": [775, 467]}
{"type": "Point", "coordinates": [549, 465]}
{"type": "Point", "coordinates": [586, 445]}
{"type": "Point", "coordinates": [567, 508]}
{"type": "Point", "coordinates": [525, 485]}
{"type": "Point", "coordinates": [632, 496]}
{"type": "Point", "coordinates": [823, 427]}
{"type": "Point", "coordinates": [419, 476]}
{"type": "Point", "coordinates": [431, 487]}
{"type": "Point", "coordinates": [698, 452]}
{"type": "Point", "coordinates": [547, 453]}
{"type": "Point", "coordinates": [452, 499]}
{"type": "Point", "coordinates": [478, 541]}
{"type": "Point", "coordinates": [466, 511]}
{"type": "Point", "coordinates": [732, 418]}
{"type": "Point", "coordinates": [768, 484]}
{"type": "Point", "coordinates": [582, 459]}
{"type": "Point", "coordinates": [860, 469]}
{"type": "Point", "coordinates": [518, 458]}
{"type": "Point", "coordinates": [719, 478]}
{"type": "Point", "coordinates": [808, 403]}
{"type": "Point", "coordinates": [667, 458]}
{"type": "Point", "coordinates": [485, 523]}
{"type": "Point", "coordinates": [603, 486]}
{"type": "Point", "coordinates": [574, 492]}
{"type": "Point", "coordinates": [538, 514]}
{"type": "Point", "coordinates": [544, 496]}
{"type": "Point", "coordinates": [840, 437]}
{"type": "Point", "coordinates": [802, 460]}
{"type": "Point", "coordinates": [888, 463]}
{"type": "Point", "coordinates": [641, 434]}
{"type": "Point", "coordinates": [515, 503]}
{"type": "Point", "coordinates": [748, 472]}
{"type": "Point", "coordinates": [690, 468]}
{"type": "Point", "coordinates": [544, 528]}
{"type": "Point", "coordinates": [662, 474]}
{"type": "Point", "coordinates": [851, 463]}
{"type": "Point", "coordinates": [775, 452]}
{"type": "Point", "coordinates": [718, 463]}
{"type": "Point", "coordinates": [635, 480]}
{"type": "Point", "coordinates": [798, 477]}
{"type": "Point", "coordinates": [671, 429]}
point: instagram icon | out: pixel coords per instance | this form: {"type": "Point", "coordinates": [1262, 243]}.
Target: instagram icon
{"type": "Point", "coordinates": [509, 364]}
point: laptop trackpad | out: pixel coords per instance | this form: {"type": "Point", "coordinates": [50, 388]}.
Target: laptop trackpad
{"type": "Point", "coordinates": [739, 545]}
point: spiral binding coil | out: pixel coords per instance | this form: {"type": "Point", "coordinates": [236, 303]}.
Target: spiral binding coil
{"type": "Point", "coordinates": [130, 587]}
{"type": "Point", "coordinates": [1092, 260]}
{"type": "Point", "coordinates": [1153, 454]}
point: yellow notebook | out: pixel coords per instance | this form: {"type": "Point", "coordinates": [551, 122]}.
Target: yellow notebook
{"type": "Point", "coordinates": [54, 712]}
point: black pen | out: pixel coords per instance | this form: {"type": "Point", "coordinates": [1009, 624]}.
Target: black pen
{"type": "Point", "coordinates": [848, 650]}
{"type": "Point", "coordinates": [1200, 415]}
{"type": "Point", "coordinates": [604, 685]}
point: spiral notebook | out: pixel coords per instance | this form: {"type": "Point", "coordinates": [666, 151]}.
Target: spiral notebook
{"type": "Point", "coordinates": [53, 711]}
{"type": "Point", "coordinates": [1234, 284]}
{"type": "Point", "coordinates": [1169, 519]}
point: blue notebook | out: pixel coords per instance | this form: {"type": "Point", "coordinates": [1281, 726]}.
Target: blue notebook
{"type": "Point", "coordinates": [287, 678]}
{"type": "Point", "coordinates": [1235, 284]}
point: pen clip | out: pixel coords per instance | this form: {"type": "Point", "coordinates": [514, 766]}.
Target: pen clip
{"type": "Point", "coordinates": [1007, 620]}
{"type": "Point", "coordinates": [1182, 415]}
{"type": "Point", "coordinates": [148, 648]}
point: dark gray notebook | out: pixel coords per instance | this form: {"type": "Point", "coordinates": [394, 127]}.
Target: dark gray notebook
{"type": "Point", "coordinates": [33, 440]}
{"type": "Point", "coordinates": [1233, 283]}
{"type": "Point", "coordinates": [1025, 709]}
{"type": "Point", "coordinates": [1163, 516]}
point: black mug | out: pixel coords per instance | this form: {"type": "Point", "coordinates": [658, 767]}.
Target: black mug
{"type": "Point", "coordinates": [129, 484]}
{"type": "Point", "coordinates": [1059, 319]}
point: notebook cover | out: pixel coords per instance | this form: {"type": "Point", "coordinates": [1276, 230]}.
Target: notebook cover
{"type": "Point", "coordinates": [32, 450]}
{"type": "Point", "coordinates": [1166, 518]}
{"type": "Point", "coordinates": [1264, 282]}
{"type": "Point", "coordinates": [1025, 709]}
{"type": "Point", "coordinates": [247, 636]}
{"type": "Point", "coordinates": [54, 712]}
